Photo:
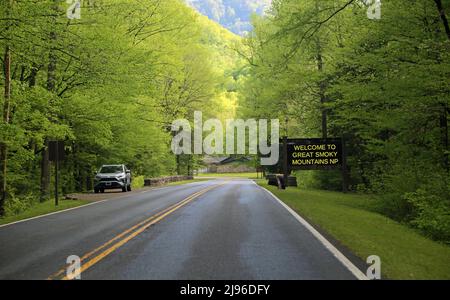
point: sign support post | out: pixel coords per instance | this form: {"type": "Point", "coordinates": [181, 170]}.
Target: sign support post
{"type": "Point", "coordinates": [285, 162]}
{"type": "Point", "coordinates": [56, 174]}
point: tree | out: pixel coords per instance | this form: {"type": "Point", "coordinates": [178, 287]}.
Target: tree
{"type": "Point", "coordinates": [108, 84]}
{"type": "Point", "coordinates": [381, 84]}
{"type": "Point", "coordinates": [5, 119]}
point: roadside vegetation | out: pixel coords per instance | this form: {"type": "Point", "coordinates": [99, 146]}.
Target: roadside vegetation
{"type": "Point", "coordinates": [325, 69]}
{"type": "Point", "coordinates": [138, 182]}
{"type": "Point", "coordinates": [354, 221]}
{"type": "Point", "coordinates": [109, 85]}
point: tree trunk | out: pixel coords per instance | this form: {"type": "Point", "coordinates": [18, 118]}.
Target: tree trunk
{"type": "Point", "coordinates": [322, 84]}
{"type": "Point", "coordinates": [6, 120]}
{"type": "Point", "coordinates": [6, 117]}
{"type": "Point", "coordinates": [441, 10]}
{"type": "Point", "coordinates": [45, 172]}
{"type": "Point", "coordinates": [32, 77]}
{"type": "Point", "coordinates": [51, 76]}
{"type": "Point", "coordinates": [322, 87]}
{"type": "Point", "coordinates": [443, 118]}
{"type": "Point", "coordinates": [178, 165]}
{"type": "Point", "coordinates": [51, 84]}
{"type": "Point", "coordinates": [443, 124]}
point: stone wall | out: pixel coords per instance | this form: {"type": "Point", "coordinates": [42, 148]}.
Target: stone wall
{"type": "Point", "coordinates": [165, 180]}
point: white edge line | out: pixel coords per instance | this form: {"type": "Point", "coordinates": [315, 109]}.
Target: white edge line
{"type": "Point", "coordinates": [338, 254]}
{"type": "Point", "coordinates": [54, 213]}
{"type": "Point", "coordinates": [81, 206]}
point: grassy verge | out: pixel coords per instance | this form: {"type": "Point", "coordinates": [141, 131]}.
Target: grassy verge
{"type": "Point", "coordinates": [404, 253]}
{"type": "Point", "coordinates": [42, 209]}
{"type": "Point", "coordinates": [235, 175]}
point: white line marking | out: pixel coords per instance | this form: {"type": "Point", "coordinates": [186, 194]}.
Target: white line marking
{"type": "Point", "coordinates": [54, 213]}
{"type": "Point", "coordinates": [338, 254]}
{"type": "Point", "coordinates": [85, 205]}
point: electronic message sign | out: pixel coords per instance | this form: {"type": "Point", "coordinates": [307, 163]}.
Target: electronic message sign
{"type": "Point", "coordinates": [314, 154]}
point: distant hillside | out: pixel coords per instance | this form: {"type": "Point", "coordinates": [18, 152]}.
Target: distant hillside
{"type": "Point", "coordinates": [221, 42]}
{"type": "Point", "coordinates": [234, 15]}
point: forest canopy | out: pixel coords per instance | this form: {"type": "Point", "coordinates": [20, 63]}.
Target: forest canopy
{"type": "Point", "coordinates": [326, 69]}
{"type": "Point", "coordinates": [108, 84]}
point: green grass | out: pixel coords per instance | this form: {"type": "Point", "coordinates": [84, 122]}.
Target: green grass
{"type": "Point", "coordinates": [42, 209]}
{"type": "Point", "coordinates": [138, 182]}
{"type": "Point", "coordinates": [235, 175]}
{"type": "Point", "coordinates": [350, 218]}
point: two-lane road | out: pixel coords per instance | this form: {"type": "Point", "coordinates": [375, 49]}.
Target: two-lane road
{"type": "Point", "coordinates": [218, 229]}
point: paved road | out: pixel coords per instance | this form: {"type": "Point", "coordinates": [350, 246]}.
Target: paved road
{"type": "Point", "coordinates": [223, 230]}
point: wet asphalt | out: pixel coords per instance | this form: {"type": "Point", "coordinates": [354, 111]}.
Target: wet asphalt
{"type": "Point", "coordinates": [235, 231]}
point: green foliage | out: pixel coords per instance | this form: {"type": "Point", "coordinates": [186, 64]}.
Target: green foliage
{"type": "Point", "coordinates": [138, 182]}
{"type": "Point", "coordinates": [384, 85]}
{"type": "Point", "coordinates": [109, 85]}
{"type": "Point", "coordinates": [431, 214]}
{"type": "Point", "coordinates": [15, 205]}
{"type": "Point", "coordinates": [323, 180]}
{"type": "Point", "coordinates": [352, 219]}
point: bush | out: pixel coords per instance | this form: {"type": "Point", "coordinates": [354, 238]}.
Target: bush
{"type": "Point", "coordinates": [416, 194]}
{"type": "Point", "coordinates": [431, 214]}
{"type": "Point", "coordinates": [305, 179]}
{"type": "Point", "coordinates": [325, 180]}
{"type": "Point", "coordinates": [138, 182]}
{"type": "Point", "coordinates": [15, 205]}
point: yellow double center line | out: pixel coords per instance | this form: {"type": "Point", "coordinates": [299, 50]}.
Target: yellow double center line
{"type": "Point", "coordinates": [128, 235]}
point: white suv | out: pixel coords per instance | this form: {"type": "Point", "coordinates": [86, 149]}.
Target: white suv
{"type": "Point", "coordinates": [112, 177]}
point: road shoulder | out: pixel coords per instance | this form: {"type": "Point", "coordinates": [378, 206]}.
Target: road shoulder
{"type": "Point", "coordinates": [353, 263]}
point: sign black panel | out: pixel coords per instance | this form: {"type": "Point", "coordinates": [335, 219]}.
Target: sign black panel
{"type": "Point", "coordinates": [314, 154]}
{"type": "Point", "coordinates": [56, 150]}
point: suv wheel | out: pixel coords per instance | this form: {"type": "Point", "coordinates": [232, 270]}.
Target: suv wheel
{"type": "Point", "coordinates": [96, 191]}
{"type": "Point", "coordinates": [129, 188]}
{"type": "Point", "coordinates": [124, 189]}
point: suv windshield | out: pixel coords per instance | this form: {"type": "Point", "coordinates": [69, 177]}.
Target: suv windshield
{"type": "Point", "coordinates": [111, 169]}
